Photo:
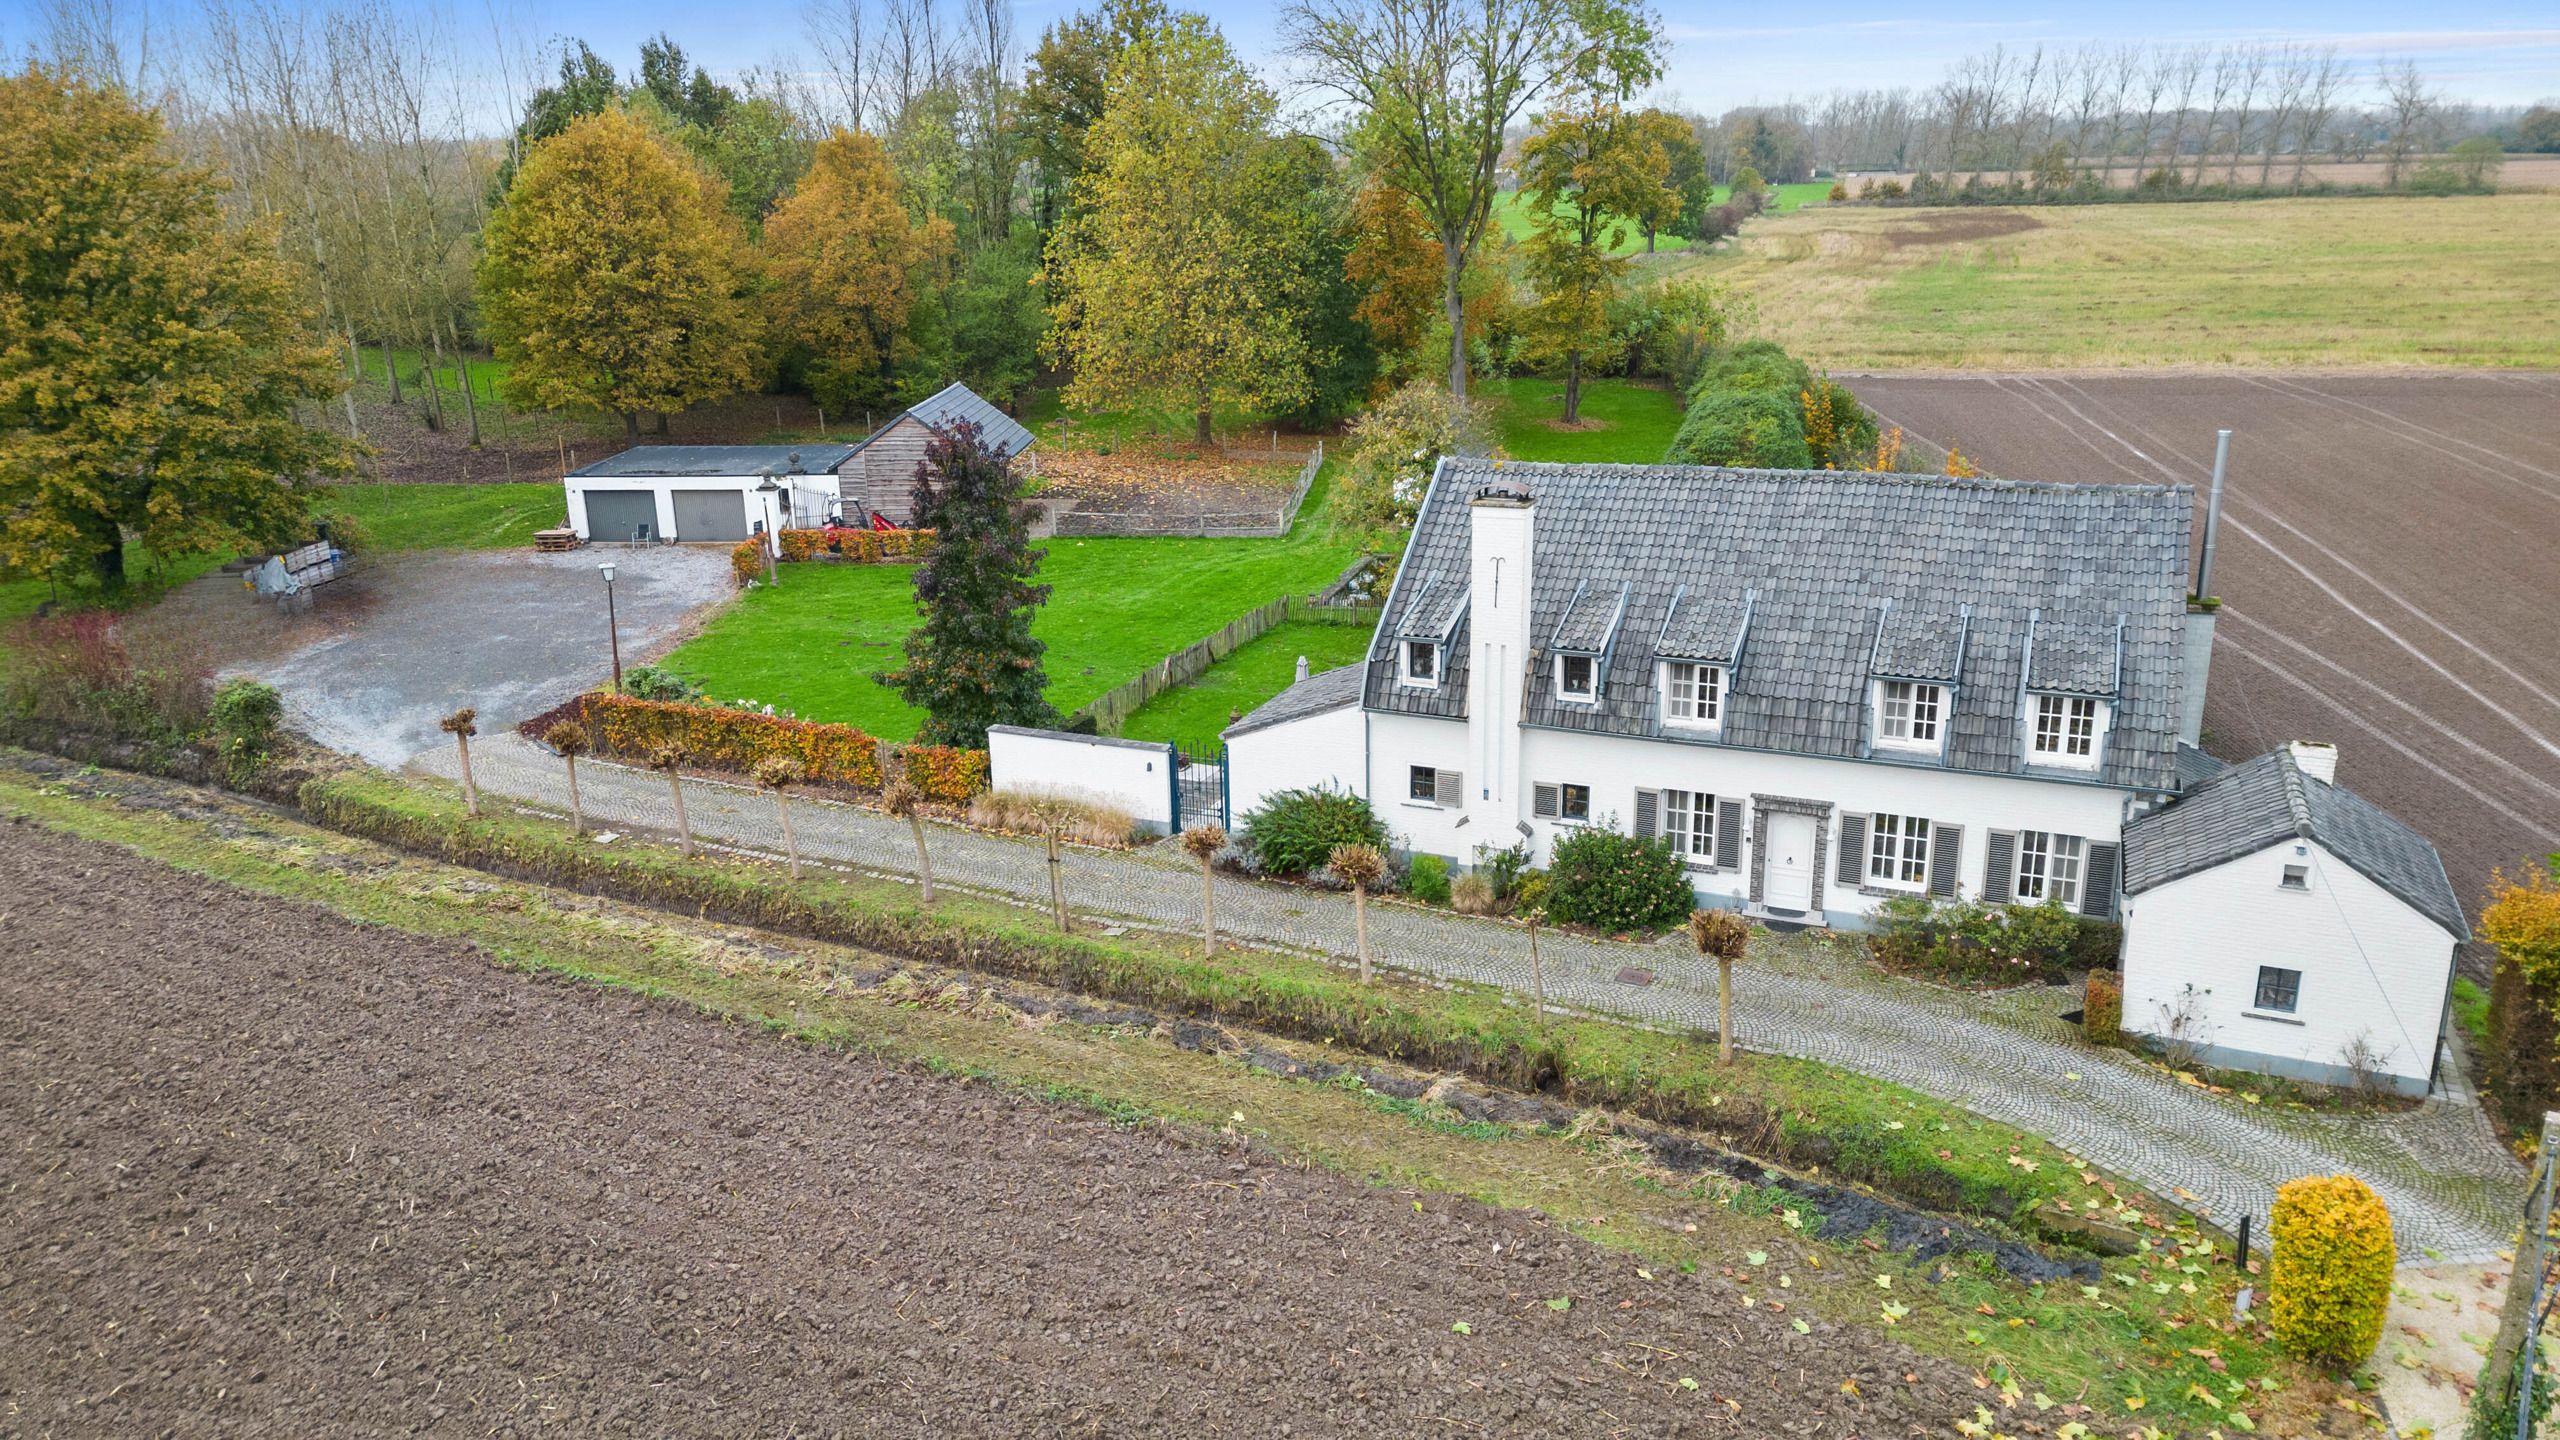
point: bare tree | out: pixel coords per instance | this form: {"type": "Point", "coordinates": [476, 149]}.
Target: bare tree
{"type": "Point", "coordinates": [2316, 107]}
{"type": "Point", "coordinates": [669, 760]}
{"type": "Point", "coordinates": [778, 773]}
{"type": "Point", "coordinates": [2226, 75]}
{"type": "Point", "coordinates": [2253, 75]}
{"type": "Point", "coordinates": [2186, 71]}
{"type": "Point", "coordinates": [571, 740]}
{"type": "Point", "coordinates": [2410, 111]}
{"type": "Point", "coordinates": [903, 799]}
{"type": "Point", "coordinates": [837, 32]}
{"type": "Point", "coordinates": [1360, 867]}
{"type": "Point", "coordinates": [1203, 842]}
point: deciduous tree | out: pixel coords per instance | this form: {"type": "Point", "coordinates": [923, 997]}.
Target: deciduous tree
{"type": "Point", "coordinates": [1177, 277]}
{"type": "Point", "coordinates": [973, 662]}
{"type": "Point", "coordinates": [614, 277]}
{"type": "Point", "coordinates": [1395, 260]}
{"type": "Point", "coordinates": [843, 258]}
{"type": "Point", "coordinates": [151, 357]}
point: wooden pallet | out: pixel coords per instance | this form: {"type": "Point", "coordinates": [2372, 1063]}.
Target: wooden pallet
{"type": "Point", "coordinates": [556, 540]}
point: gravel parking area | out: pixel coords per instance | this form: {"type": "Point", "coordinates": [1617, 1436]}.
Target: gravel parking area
{"type": "Point", "coordinates": [274, 1173]}
{"type": "Point", "coordinates": [2386, 565]}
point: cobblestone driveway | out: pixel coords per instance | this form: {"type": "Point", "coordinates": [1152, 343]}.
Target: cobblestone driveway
{"type": "Point", "coordinates": [2451, 1187]}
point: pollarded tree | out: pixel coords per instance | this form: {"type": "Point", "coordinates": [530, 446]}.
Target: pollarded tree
{"type": "Point", "coordinates": [973, 662]}
{"type": "Point", "coordinates": [1177, 276]}
{"type": "Point", "coordinates": [845, 261]}
{"type": "Point", "coordinates": [150, 355]}
{"type": "Point", "coordinates": [614, 276]}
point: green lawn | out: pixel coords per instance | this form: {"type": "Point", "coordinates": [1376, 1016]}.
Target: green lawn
{"type": "Point", "coordinates": [449, 517]}
{"type": "Point", "coordinates": [1637, 421]}
{"type": "Point", "coordinates": [147, 580]}
{"type": "Point", "coordinates": [1115, 607]}
{"type": "Point", "coordinates": [1259, 669]}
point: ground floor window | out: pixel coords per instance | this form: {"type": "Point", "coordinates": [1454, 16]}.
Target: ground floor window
{"type": "Point", "coordinates": [2049, 866]}
{"type": "Point", "coordinates": [2279, 990]}
{"type": "Point", "coordinates": [1422, 782]}
{"type": "Point", "coordinates": [1898, 849]}
{"type": "Point", "coordinates": [1574, 801]}
{"type": "Point", "coordinates": [1689, 822]}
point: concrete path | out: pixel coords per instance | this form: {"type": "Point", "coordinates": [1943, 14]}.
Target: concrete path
{"type": "Point", "coordinates": [2452, 1188]}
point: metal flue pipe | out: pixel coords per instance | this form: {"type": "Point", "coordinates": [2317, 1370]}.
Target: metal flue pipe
{"type": "Point", "coordinates": [2213, 514]}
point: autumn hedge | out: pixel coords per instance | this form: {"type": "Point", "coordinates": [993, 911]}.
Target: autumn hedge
{"type": "Point", "coordinates": [715, 738]}
{"type": "Point", "coordinates": [2329, 1281]}
{"type": "Point", "coordinates": [840, 544]}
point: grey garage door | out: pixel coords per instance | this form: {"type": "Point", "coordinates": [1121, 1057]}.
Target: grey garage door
{"type": "Point", "coordinates": [710, 515]}
{"type": "Point", "coordinates": [615, 514]}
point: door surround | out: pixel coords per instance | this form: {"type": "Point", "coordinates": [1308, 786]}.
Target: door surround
{"type": "Point", "coordinates": [1762, 806]}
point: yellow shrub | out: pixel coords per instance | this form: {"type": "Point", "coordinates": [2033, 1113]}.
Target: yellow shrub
{"type": "Point", "coordinates": [2330, 1279]}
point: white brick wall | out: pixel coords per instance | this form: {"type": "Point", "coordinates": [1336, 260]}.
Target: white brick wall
{"type": "Point", "coordinates": [1320, 749]}
{"type": "Point", "coordinates": [2369, 963]}
{"type": "Point", "coordinates": [1135, 776]}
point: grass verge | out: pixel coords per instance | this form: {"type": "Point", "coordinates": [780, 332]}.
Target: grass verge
{"type": "Point", "coordinates": [1631, 422]}
{"type": "Point", "coordinates": [2141, 1346]}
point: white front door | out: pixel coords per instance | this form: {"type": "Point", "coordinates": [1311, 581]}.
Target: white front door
{"type": "Point", "coordinates": [1786, 862]}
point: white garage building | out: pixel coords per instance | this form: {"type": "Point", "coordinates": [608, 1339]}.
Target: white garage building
{"type": "Point", "coordinates": [705, 492]}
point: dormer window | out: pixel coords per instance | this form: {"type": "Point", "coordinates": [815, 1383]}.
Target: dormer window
{"type": "Point", "coordinates": [2066, 730]}
{"type": "Point", "coordinates": [1419, 665]}
{"type": "Point", "coordinates": [1578, 678]}
{"type": "Point", "coordinates": [1910, 714]}
{"type": "Point", "coordinates": [1692, 695]}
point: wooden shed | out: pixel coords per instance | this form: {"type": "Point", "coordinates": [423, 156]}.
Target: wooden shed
{"type": "Point", "coordinates": [883, 467]}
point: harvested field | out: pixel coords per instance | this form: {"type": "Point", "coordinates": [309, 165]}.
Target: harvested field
{"type": "Point", "coordinates": [2387, 563]}
{"type": "Point", "coordinates": [277, 1172]}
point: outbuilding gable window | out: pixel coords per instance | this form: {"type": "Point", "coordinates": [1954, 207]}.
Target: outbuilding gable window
{"type": "Point", "coordinates": [1910, 714]}
{"type": "Point", "coordinates": [1577, 677]}
{"type": "Point", "coordinates": [1898, 850]}
{"type": "Point", "coordinates": [2279, 990]}
{"type": "Point", "coordinates": [1692, 695]}
{"type": "Point", "coordinates": [1420, 664]}
{"type": "Point", "coordinates": [2049, 867]}
{"type": "Point", "coordinates": [2066, 730]}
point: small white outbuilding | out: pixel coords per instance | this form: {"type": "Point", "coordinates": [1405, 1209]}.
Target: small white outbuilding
{"type": "Point", "coordinates": [705, 492]}
{"type": "Point", "coordinates": [2279, 923]}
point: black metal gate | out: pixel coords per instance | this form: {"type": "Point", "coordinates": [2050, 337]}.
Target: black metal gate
{"type": "Point", "coordinates": [1200, 785]}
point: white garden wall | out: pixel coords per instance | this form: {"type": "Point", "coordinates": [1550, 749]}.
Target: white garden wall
{"type": "Point", "coordinates": [1134, 775]}
{"type": "Point", "coordinates": [2370, 966]}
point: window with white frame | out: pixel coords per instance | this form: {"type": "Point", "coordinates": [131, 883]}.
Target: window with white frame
{"type": "Point", "coordinates": [1577, 677]}
{"type": "Point", "coordinates": [2049, 867]}
{"type": "Point", "coordinates": [1421, 663]}
{"type": "Point", "coordinates": [1898, 850]}
{"type": "Point", "coordinates": [2066, 730]}
{"type": "Point", "coordinates": [1689, 823]}
{"type": "Point", "coordinates": [1692, 695]}
{"type": "Point", "coordinates": [1909, 714]}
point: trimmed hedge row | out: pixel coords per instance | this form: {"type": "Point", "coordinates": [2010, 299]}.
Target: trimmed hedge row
{"type": "Point", "coordinates": [1468, 1029]}
{"type": "Point", "coordinates": [734, 739]}
{"type": "Point", "coordinates": [841, 544]}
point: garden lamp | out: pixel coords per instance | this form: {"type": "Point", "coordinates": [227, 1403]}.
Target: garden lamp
{"type": "Point", "coordinates": [612, 625]}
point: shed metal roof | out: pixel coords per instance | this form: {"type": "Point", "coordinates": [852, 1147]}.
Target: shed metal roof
{"type": "Point", "coordinates": [1821, 552]}
{"type": "Point", "coordinates": [729, 461]}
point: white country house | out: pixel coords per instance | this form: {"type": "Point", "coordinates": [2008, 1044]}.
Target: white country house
{"type": "Point", "coordinates": [1825, 689]}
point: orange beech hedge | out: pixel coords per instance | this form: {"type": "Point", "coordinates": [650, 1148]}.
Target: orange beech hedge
{"type": "Point", "coordinates": [853, 546]}
{"type": "Point", "coordinates": [735, 740]}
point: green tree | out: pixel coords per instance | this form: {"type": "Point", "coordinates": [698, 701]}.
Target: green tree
{"type": "Point", "coordinates": [1590, 170]}
{"type": "Point", "coordinates": [151, 357]}
{"type": "Point", "coordinates": [1177, 275]}
{"type": "Point", "coordinates": [1438, 84]}
{"type": "Point", "coordinates": [845, 263]}
{"type": "Point", "coordinates": [587, 86]}
{"type": "Point", "coordinates": [996, 317]}
{"type": "Point", "coordinates": [614, 277]}
{"type": "Point", "coordinates": [2538, 133]}
{"type": "Point", "coordinates": [1064, 88]}
{"type": "Point", "coordinates": [973, 662]}
{"type": "Point", "coordinates": [1686, 192]}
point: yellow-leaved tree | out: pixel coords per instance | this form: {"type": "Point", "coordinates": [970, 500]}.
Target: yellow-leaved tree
{"type": "Point", "coordinates": [1179, 275]}
{"type": "Point", "coordinates": [151, 356]}
{"type": "Point", "coordinates": [845, 264]}
{"type": "Point", "coordinates": [614, 276]}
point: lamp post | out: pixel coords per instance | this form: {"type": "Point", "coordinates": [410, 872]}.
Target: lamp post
{"type": "Point", "coordinates": [772, 536]}
{"type": "Point", "coordinates": [612, 624]}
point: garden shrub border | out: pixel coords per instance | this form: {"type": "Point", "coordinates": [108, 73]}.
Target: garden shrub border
{"type": "Point", "coordinates": [628, 728]}
{"type": "Point", "coordinates": [1470, 1029]}
{"type": "Point", "coordinates": [853, 546]}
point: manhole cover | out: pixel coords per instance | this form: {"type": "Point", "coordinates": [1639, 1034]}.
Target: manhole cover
{"type": "Point", "coordinates": [1630, 975]}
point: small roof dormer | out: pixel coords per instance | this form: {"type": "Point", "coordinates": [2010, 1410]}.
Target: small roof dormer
{"type": "Point", "coordinates": [1706, 630]}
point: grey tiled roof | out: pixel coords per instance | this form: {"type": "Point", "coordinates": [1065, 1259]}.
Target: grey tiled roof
{"type": "Point", "coordinates": [1436, 606]}
{"type": "Point", "coordinates": [1911, 645]}
{"type": "Point", "coordinates": [1823, 551]}
{"type": "Point", "coordinates": [2250, 806]}
{"type": "Point", "coordinates": [1590, 619]}
{"type": "Point", "coordinates": [1327, 690]}
{"type": "Point", "coordinates": [2196, 767]}
{"type": "Point", "coordinates": [954, 402]}
{"type": "Point", "coordinates": [2076, 657]}
{"type": "Point", "coordinates": [1703, 628]}
{"type": "Point", "coordinates": [682, 460]}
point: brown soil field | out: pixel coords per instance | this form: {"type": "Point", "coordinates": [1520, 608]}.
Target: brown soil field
{"type": "Point", "coordinates": [2389, 562]}
{"type": "Point", "coordinates": [2520, 172]}
{"type": "Point", "coordinates": [273, 1172]}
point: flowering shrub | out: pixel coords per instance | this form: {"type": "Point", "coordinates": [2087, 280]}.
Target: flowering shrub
{"type": "Point", "coordinates": [1617, 882]}
{"type": "Point", "coordinates": [840, 544]}
{"type": "Point", "coordinates": [2330, 1279]}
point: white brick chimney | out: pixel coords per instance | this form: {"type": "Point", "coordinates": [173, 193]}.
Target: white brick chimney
{"type": "Point", "coordinates": [1500, 535]}
{"type": "Point", "coordinates": [2317, 759]}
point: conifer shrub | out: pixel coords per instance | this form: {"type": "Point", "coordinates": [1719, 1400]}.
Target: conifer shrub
{"type": "Point", "coordinates": [2102, 1009]}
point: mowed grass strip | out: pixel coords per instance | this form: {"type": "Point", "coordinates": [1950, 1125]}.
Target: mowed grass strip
{"type": "Point", "coordinates": [2157, 1346]}
{"type": "Point", "coordinates": [2343, 282]}
{"type": "Point", "coordinates": [1254, 672]}
{"type": "Point", "coordinates": [449, 517]}
{"type": "Point", "coordinates": [1624, 422]}
{"type": "Point", "coordinates": [812, 643]}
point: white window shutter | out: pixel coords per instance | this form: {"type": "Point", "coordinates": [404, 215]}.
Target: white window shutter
{"type": "Point", "coordinates": [1648, 813]}
{"type": "Point", "coordinates": [1853, 850]}
{"type": "Point", "coordinates": [2000, 866]}
{"type": "Point", "coordinates": [1728, 834]}
{"type": "Point", "coordinates": [1543, 801]}
{"type": "Point", "coordinates": [1946, 852]}
{"type": "Point", "coordinates": [1448, 787]}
